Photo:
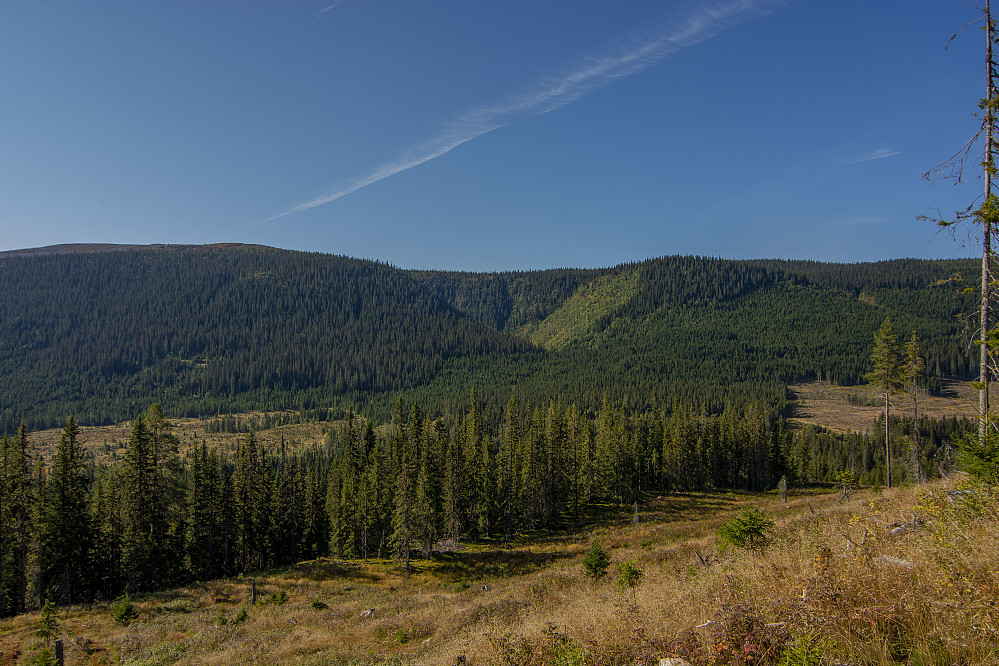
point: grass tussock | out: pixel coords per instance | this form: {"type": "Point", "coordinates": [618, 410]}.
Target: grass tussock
{"type": "Point", "coordinates": [906, 576]}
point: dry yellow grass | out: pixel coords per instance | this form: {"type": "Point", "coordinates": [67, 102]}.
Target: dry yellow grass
{"type": "Point", "coordinates": [827, 405]}
{"type": "Point", "coordinates": [109, 443]}
{"type": "Point", "coordinates": [907, 576]}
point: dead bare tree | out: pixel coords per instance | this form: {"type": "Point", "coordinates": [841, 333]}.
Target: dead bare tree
{"type": "Point", "coordinates": [983, 210]}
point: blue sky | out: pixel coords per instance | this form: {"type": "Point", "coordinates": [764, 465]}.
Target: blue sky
{"type": "Point", "coordinates": [482, 135]}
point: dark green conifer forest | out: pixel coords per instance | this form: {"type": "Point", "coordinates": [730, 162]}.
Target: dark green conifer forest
{"type": "Point", "coordinates": [461, 405]}
{"type": "Point", "coordinates": [72, 531]}
{"type": "Point", "coordinates": [205, 330]}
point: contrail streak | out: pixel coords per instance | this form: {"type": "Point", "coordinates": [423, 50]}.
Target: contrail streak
{"type": "Point", "coordinates": [327, 8]}
{"type": "Point", "coordinates": [876, 155]}
{"type": "Point", "coordinates": [554, 93]}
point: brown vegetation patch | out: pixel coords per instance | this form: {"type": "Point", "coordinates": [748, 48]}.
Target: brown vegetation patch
{"type": "Point", "coordinates": [857, 408]}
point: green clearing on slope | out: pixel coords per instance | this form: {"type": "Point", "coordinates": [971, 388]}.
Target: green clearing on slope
{"type": "Point", "coordinates": [577, 316]}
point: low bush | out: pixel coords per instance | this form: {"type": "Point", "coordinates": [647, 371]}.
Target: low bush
{"type": "Point", "coordinates": [596, 561]}
{"type": "Point", "coordinates": [123, 610]}
{"type": "Point", "coordinates": [750, 529]}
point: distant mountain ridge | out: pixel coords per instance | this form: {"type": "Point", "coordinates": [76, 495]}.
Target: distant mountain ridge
{"type": "Point", "coordinates": [100, 331]}
{"type": "Point", "coordinates": [84, 248]}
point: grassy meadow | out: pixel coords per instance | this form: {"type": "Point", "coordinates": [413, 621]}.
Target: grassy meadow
{"type": "Point", "coordinates": [902, 576]}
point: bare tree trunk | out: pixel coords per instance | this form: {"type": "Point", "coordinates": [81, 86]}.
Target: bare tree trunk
{"type": "Point", "coordinates": [984, 374]}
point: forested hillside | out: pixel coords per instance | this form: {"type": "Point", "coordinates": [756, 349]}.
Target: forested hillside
{"type": "Point", "coordinates": [711, 333]}
{"type": "Point", "coordinates": [203, 330]}
{"type": "Point", "coordinates": [210, 329]}
{"type": "Point", "coordinates": [602, 388]}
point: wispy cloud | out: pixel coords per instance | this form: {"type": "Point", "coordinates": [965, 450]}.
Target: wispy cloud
{"type": "Point", "coordinates": [879, 154]}
{"type": "Point", "coordinates": [327, 8]}
{"type": "Point", "coordinates": [592, 73]}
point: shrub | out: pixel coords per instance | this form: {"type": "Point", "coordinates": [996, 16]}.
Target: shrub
{"type": "Point", "coordinates": [978, 460]}
{"type": "Point", "coordinates": [569, 653]}
{"type": "Point", "coordinates": [806, 650]}
{"type": "Point", "coordinates": [628, 575]}
{"type": "Point", "coordinates": [48, 624]}
{"type": "Point", "coordinates": [277, 599]}
{"type": "Point", "coordinates": [44, 657]}
{"type": "Point", "coordinates": [123, 610]}
{"type": "Point", "coordinates": [750, 529]}
{"type": "Point", "coordinates": [596, 561]}
{"type": "Point", "coordinates": [319, 605]}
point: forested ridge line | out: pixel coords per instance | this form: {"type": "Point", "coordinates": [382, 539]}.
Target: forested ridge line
{"type": "Point", "coordinates": [208, 330]}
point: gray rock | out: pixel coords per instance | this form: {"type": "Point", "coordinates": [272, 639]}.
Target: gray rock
{"type": "Point", "coordinates": [896, 562]}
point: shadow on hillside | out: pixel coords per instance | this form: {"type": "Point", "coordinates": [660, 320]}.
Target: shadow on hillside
{"type": "Point", "coordinates": [324, 569]}
{"type": "Point", "coordinates": [674, 507]}
{"type": "Point", "coordinates": [500, 562]}
{"type": "Point", "coordinates": [684, 506]}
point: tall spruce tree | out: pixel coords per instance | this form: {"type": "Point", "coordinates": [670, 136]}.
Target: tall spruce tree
{"type": "Point", "coordinates": [138, 511]}
{"type": "Point", "coordinates": [403, 513]}
{"type": "Point", "coordinates": [507, 469]}
{"type": "Point", "coordinates": [251, 508]}
{"type": "Point", "coordinates": [912, 367]}
{"type": "Point", "coordinates": [453, 488]}
{"type": "Point", "coordinates": [200, 543]}
{"type": "Point", "coordinates": [64, 526]}
{"type": "Point", "coordinates": [6, 532]}
{"type": "Point", "coordinates": [887, 376]}
{"type": "Point", "coordinates": [107, 522]}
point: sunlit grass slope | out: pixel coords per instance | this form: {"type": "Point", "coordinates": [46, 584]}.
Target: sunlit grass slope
{"type": "Point", "coordinates": [905, 576]}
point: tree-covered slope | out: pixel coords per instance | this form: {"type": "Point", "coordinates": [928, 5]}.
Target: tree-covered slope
{"type": "Point", "coordinates": [509, 301]}
{"type": "Point", "coordinates": [712, 332]}
{"type": "Point", "coordinates": [100, 334]}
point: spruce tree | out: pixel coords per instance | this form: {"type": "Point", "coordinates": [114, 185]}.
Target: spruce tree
{"type": "Point", "coordinates": [138, 512]}
{"type": "Point", "coordinates": [64, 525]}
{"type": "Point", "coordinates": [452, 489]}
{"type": "Point", "coordinates": [251, 508]}
{"type": "Point", "coordinates": [424, 515]}
{"type": "Point", "coordinates": [106, 519]}
{"type": "Point", "coordinates": [887, 376]}
{"type": "Point", "coordinates": [403, 513]}
{"type": "Point", "coordinates": [913, 365]}
{"type": "Point", "coordinates": [6, 532]}
{"type": "Point", "coordinates": [507, 472]}
{"type": "Point", "coordinates": [200, 541]}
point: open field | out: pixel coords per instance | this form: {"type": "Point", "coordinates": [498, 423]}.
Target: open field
{"type": "Point", "coordinates": [900, 577]}
{"type": "Point", "coordinates": [856, 408]}
{"type": "Point", "coordinates": [109, 443]}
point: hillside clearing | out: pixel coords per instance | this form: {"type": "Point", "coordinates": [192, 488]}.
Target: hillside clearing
{"type": "Point", "coordinates": [855, 408]}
